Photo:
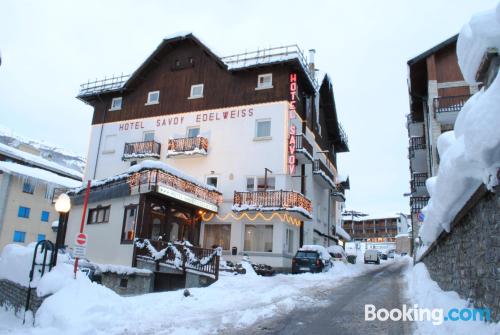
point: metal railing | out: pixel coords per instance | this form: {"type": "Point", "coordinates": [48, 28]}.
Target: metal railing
{"type": "Point", "coordinates": [270, 55]}
{"type": "Point", "coordinates": [181, 145]}
{"type": "Point", "coordinates": [416, 143]}
{"type": "Point", "coordinates": [184, 257]}
{"type": "Point", "coordinates": [417, 203]}
{"type": "Point", "coordinates": [103, 85]}
{"type": "Point", "coordinates": [450, 104]}
{"type": "Point", "coordinates": [141, 149]}
{"type": "Point", "coordinates": [418, 180]}
{"type": "Point", "coordinates": [302, 143]}
{"type": "Point", "coordinates": [272, 199]}
{"type": "Point", "coordinates": [319, 166]}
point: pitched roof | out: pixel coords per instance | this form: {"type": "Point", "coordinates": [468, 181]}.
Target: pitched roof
{"type": "Point", "coordinates": [433, 50]}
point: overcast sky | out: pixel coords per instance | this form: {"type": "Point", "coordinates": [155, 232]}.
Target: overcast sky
{"type": "Point", "coordinates": [50, 47]}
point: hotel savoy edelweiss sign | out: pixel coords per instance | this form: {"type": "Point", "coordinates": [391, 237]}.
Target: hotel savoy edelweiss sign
{"type": "Point", "coordinates": [186, 198]}
{"type": "Point", "coordinates": [292, 106]}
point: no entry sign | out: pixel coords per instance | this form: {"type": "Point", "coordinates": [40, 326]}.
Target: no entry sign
{"type": "Point", "coordinates": [80, 248]}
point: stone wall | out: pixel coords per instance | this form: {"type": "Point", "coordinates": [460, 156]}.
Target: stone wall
{"type": "Point", "coordinates": [132, 284]}
{"type": "Point", "coordinates": [13, 294]}
{"type": "Point", "coordinates": [467, 260]}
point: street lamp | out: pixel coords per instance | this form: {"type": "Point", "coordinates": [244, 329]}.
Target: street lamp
{"type": "Point", "coordinates": [63, 206]}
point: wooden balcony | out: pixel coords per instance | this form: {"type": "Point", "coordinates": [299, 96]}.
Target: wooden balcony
{"type": "Point", "coordinates": [323, 174]}
{"type": "Point", "coordinates": [303, 149]}
{"type": "Point", "coordinates": [291, 202]}
{"type": "Point", "coordinates": [187, 146]}
{"type": "Point", "coordinates": [138, 150]}
{"type": "Point", "coordinates": [446, 109]}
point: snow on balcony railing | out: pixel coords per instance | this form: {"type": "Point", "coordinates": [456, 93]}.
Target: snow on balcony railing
{"type": "Point", "coordinates": [187, 146]}
{"type": "Point", "coordinates": [270, 55]}
{"type": "Point", "coordinates": [103, 85]}
{"type": "Point", "coordinates": [272, 201]}
{"type": "Point", "coordinates": [450, 104]}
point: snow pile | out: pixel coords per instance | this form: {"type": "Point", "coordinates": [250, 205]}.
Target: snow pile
{"type": "Point", "coordinates": [15, 264]}
{"type": "Point", "coordinates": [82, 307]}
{"type": "Point", "coordinates": [342, 233]}
{"type": "Point", "coordinates": [479, 34]}
{"type": "Point", "coordinates": [470, 155]}
{"type": "Point", "coordinates": [427, 294]}
{"type": "Point", "coordinates": [121, 269]}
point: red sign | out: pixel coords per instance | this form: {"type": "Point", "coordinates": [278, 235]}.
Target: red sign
{"type": "Point", "coordinates": [292, 106]}
{"type": "Point", "coordinates": [291, 149]}
{"type": "Point", "coordinates": [81, 240]}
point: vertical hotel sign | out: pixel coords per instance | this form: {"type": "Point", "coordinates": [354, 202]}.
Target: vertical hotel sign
{"type": "Point", "coordinates": [292, 106]}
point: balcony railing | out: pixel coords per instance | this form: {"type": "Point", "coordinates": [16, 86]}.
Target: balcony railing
{"type": "Point", "coordinates": [417, 203]}
{"type": "Point", "coordinates": [416, 143]}
{"type": "Point", "coordinates": [271, 200]}
{"type": "Point", "coordinates": [147, 149]}
{"type": "Point", "coordinates": [302, 145]}
{"type": "Point", "coordinates": [450, 104]}
{"type": "Point", "coordinates": [418, 180]}
{"type": "Point", "coordinates": [187, 146]}
{"type": "Point", "coordinates": [319, 168]}
{"type": "Point", "coordinates": [103, 85]}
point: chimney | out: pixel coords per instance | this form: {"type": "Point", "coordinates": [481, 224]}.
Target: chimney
{"type": "Point", "coordinates": [312, 52]}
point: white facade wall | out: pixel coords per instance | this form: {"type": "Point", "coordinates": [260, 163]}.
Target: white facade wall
{"type": "Point", "coordinates": [234, 153]}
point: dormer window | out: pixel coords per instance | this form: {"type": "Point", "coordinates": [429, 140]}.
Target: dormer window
{"type": "Point", "coordinates": [153, 98]}
{"type": "Point", "coordinates": [116, 104]}
{"type": "Point", "coordinates": [196, 91]}
{"type": "Point", "coordinates": [264, 81]}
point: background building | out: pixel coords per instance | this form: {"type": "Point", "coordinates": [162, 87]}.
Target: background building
{"type": "Point", "coordinates": [372, 228]}
{"type": "Point", "coordinates": [437, 93]}
{"type": "Point", "coordinates": [28, 182]}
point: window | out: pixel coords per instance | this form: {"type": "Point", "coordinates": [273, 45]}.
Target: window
{"type": "Point", "coordinates": [217, 235]}
{"type": "Point", "coordinates": [116, 104]}
{"type": "Point", "coordinates": [149, 136]}
{"type": "Point", "coordinates": [109, 144]}
{"type": "Point", "coordinates": [129, 223]}
{"type": "Point", "coordinates": [196, 91]}
{"type": "Point", "coordinates": [23, 212]}
{"type": "Point", "coordinates": [259, 184]}
{"type": "Point", "coordinates": [263, 128]}
{"type": "Point", "coordinates": [28, 187]}
{"type": "Point", "coordinates": [153, 98]}
{"type": "Point", "coordinates": [19, 236]}
{"type": "Point", "coordinates": [212, 181]}
{"type": "Point", "coordinates": [264, 81]}
{"type": "Point", "coordinates": [45, 216]}
{"type": "Point", "coordinates": [40, 237]}
{"type": "Point", "coordinates": [289, 241]}
{"type": "Point", "coordinates": [193, 131]}
{"type": "Point", "coordinates": [258, 238]}
{"type": "Point", "coordinates": [98, 215]}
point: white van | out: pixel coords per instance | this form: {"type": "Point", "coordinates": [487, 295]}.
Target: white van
{"type": "Point", "coordinates": [371, 256]}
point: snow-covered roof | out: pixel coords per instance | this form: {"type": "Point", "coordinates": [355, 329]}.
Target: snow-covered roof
{"type": "Point", "coordinates": [144, 165]}
{"type": "Point", "coordinates": [62, 156]}
{"type": "Point", "coordinates": [479, 34]}
{"type": "Point", "coordinates": [335, 249]}
{"type": "Point", "coordinates": [342, 233]}
{"type": "Point", "coordinates": [38, 174]}
{"type": "Point", "coordinates": [38, 161]}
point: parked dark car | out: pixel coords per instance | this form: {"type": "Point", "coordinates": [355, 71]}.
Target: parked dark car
{"type": "Point", "coordinates": [309, 261]}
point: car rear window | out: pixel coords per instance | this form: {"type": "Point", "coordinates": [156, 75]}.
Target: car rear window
{"type": "Point", "coordinates": [306, 254]}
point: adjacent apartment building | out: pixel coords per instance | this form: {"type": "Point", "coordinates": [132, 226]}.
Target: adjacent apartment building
{"type": "Point", "coordinates": [29, 179]}
{"type": "Point", "coordinates": [372, 228]}
{"type": "Point", "coordinates": [437, 93]}
{"type": "Point", "coordinates": [238, 152]}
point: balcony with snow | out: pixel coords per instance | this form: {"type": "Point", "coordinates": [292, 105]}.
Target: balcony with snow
{"type": "Point", "coordinates": [417, 154]}
{"type": "Point", "coordinates": [418, 184]}
{"type": "Point", "coordinates": [323, 175]}
{"type": "Point", "coordinates": [303, 149]}
{"type": "Point", "coordinates": [141, 150]}
{"type": "Point", "coordinates": [446, 108]}
{"type": "Point", "coordinates": [187, 147]}
{"type": "Point", "coordinates": [418, 203]}
{"type": "Point", "coordinates": [290, 202]}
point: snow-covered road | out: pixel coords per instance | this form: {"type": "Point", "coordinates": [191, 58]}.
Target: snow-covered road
{"type": "Point", "coordinates": [234, 302]}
